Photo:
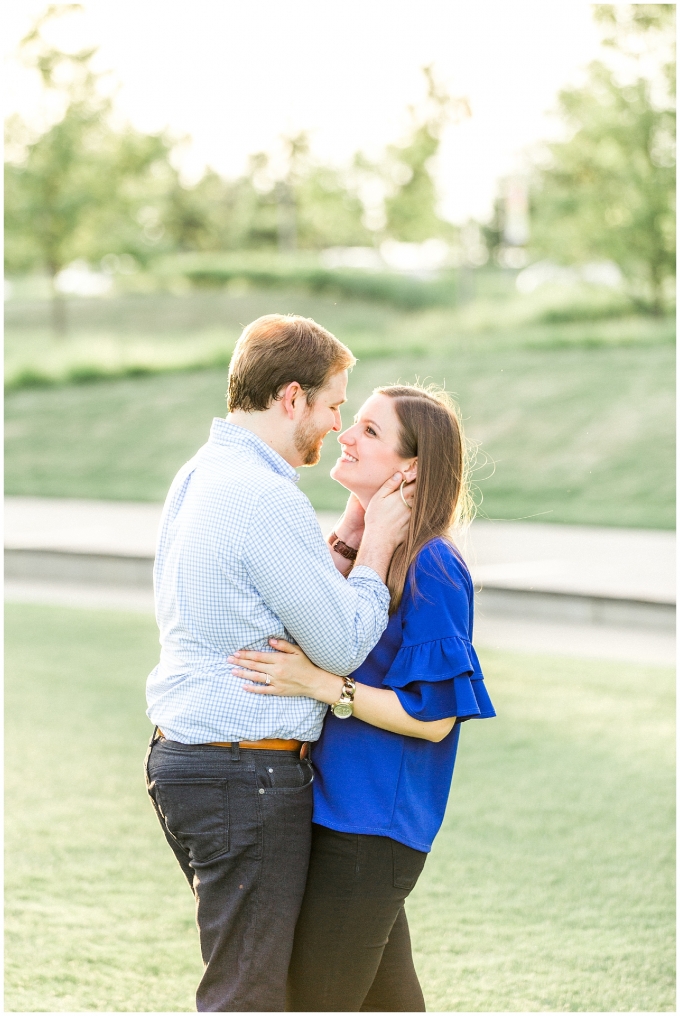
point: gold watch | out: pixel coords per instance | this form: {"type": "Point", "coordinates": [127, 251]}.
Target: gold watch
{"type": "Point", "coordinates": [344, 707]}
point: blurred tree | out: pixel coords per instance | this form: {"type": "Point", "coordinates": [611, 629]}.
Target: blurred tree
{"type": "Point", "coordinates": [492, 231]}
{"type": "Point", "coordinates": [87, 188]}
{"type": "Point", "coordinates": [317, 206]}
{"type": "Point", "coordinates": [80, 189]}
{"type": "Point", "coordinates": [297, 157]}
{"type": "Point", "coordinates": [609, 190]}
{"type": "Point", "coordinates": [330, 212]}
{"type": "Point", "coordinates": [288, 202]}
{"type": "Point", "coordinates": [634, 29]}
{"type": "Point", "coordinates": [211, 215]}
{"type": "Point", "coordinates": [411, 208]}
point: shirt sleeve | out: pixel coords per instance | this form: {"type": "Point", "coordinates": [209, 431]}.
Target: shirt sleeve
{"type": "Point", "coordinates": [436, 673]}
{"type": "Point", "coordinates": [336, 621]}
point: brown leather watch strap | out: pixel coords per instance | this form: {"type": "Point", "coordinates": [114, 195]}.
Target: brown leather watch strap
{"type": "Point", "coordinates": [341, 548]}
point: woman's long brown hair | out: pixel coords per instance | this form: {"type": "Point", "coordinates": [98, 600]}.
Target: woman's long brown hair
{"type": "Point", "coordinates": [431, 431]}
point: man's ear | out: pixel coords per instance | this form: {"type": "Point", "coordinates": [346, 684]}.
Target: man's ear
{"type": "Point", "coordinates": [411, 472]}
{"type": "Point", "coordinates": [291, 394]}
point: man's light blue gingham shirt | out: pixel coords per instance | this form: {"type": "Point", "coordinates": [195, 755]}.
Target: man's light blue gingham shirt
{"type": "Point", "coordinates": [241, 558]}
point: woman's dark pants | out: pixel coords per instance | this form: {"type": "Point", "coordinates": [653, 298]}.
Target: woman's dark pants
{"type": "Point", "coordinates": [239, 823]}
{"type": "Point", "coordinates": [352, 949]}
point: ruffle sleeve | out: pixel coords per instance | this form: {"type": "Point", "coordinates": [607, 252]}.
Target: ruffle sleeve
{"type": "Point", "coordinates": [438, 679]}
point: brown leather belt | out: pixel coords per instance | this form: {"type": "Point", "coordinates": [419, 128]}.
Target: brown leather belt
{"type": "Point", "coordinates": [266, 744]}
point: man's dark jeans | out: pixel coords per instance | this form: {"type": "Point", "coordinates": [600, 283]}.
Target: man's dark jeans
{"type": "Point", "coordinates": [239, 822]}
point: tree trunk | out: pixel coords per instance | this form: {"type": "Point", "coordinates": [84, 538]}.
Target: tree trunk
{"type": "Point", "coordinates": [466, 284]}
{"type": "Point", "coordinates": [656, 283]}
{"type": "Point", "coordinates": [59, 316]}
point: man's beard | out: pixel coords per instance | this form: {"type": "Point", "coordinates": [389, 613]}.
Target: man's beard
{"type": "Point", "coordinates": [308, 440]}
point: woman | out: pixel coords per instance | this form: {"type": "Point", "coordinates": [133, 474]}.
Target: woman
{"type": "Point", "coordinates": [386, 755]}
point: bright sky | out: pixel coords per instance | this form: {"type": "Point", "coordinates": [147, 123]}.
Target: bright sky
{"type": "Point", "coordinates": [235, 74]}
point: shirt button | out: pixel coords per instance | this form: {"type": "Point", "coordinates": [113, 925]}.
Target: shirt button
{"type": "Point", "coordinates": [270, 770]}
{"type": "Point", "coordinates": [261, 791]}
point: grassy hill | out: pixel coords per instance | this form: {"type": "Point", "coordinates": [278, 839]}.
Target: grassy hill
{"type": "Point", "coordinates": [572, 417]}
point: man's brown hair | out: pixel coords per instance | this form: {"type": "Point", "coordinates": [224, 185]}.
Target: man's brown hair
{"type": "Point", "coordinates": [278, 349]}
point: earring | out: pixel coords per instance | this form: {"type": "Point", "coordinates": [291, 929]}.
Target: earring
{"type": "Point", "coordinates": [401, 491]}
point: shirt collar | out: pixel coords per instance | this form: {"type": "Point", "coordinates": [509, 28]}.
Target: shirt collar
{"type": "Point", "coordinates": [232, 436]}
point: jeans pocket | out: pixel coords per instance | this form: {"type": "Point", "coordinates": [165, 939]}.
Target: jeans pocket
{"type": "Point", "coordinates": [196, 815]}
{"type": "Point", "coordinates": [407, 865]}
{"type": "Point", "coordinates": [286, 777]}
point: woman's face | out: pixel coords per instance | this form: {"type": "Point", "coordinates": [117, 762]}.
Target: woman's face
{"type": "Point", "coordinates": [369, 450]}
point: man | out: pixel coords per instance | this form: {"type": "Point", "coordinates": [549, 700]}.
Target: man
{"type": "Point", "coordinates": [241, 559]}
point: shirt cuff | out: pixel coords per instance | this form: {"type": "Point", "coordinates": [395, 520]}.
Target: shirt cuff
{"type": "Point", "coordinates": [363, 573]}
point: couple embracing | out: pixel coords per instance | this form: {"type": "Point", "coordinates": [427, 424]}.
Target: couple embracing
{"type": "Point", "coordinates": [308, 701]}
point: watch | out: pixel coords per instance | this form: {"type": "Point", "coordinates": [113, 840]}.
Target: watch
{"type": "Point", "coordinates": [341, 548]}
{"type": "Point", "coordinates": [344, 707]}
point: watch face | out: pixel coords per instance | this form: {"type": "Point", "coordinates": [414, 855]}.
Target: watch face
{"type": "Point", "coordinates": [342, 710]}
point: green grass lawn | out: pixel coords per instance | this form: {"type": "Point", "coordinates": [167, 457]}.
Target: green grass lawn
{"type": "Point", "coordinates": [573, 410]}
{"type": "Point", "coordinates": [550, 887]}
{"type": "Point", "coordinates": [568, 434]}
{"type": "Point", "coordinates": [160, 331]}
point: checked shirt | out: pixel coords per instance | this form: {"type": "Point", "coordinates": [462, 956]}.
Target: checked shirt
{"type": "Point", "coordinates": [241, 558]}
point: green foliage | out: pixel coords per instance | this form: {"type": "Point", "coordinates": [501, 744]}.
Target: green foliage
{"type": "Point", "coordinates": [80, 189]}
{"type": "Point", "coordinates": [549, 888]}
{"type": "Point", "coordinates": [624, 23]}
{"type": "Point", "coordinates": [305, 271]}
{"type": "Point", "coordinates": [411, 209]}
{"type": "Point", "coordinates": [88, 189]}
{"type": "Point", "coordinates": [316, 206]}
{"type": "Point", "coordinates": [217, 214]}
{"type": "Point", "coordinates": [329, 212]}
{"type": "Point", "coordinates": [85, 188]}
{"type": "Point", "coordinates": [312, 208]}
{"type": "Point", "coordinates": [609, 190]}
{"type": "Point", "coordinates": [58, 181]}
{"type": "Point", "coordinates": [130, 220]}
{"type": "Point", "coordinates": [411, 212]}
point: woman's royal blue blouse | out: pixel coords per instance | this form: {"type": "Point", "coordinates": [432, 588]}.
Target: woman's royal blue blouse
{"type": "Point", "coordinates": [372, 781]}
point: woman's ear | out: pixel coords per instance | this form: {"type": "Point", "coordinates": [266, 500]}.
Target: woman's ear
{"type": "Point", "coordinates": [411, 471]}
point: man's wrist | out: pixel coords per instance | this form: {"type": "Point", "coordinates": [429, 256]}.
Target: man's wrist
{"type": "Point", "coordinates": [352, 537]}
{"type": "Point", "coordinates": [342, 548]}
{"type": "Point", "coordinates": [375, 557]}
